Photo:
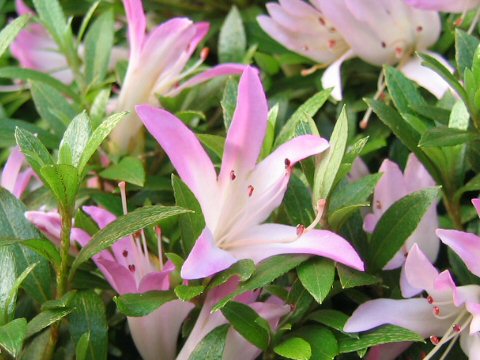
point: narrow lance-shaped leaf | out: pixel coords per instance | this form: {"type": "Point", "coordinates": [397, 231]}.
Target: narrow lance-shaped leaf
{"type": "Point", "coordinates": [232, 41]}
{"type": "Point", "coordinates": [12, 336]}
{"type": "Point", "coordinates": [212, 345]}
{"type": "Point", "coordinates": [143, 304]}
{"type": "Point", "coordinates": [74, 140]}
{"type": "Point", "coordinates": [10, 32]}
{"type": "Point", "coordinates": [33, 149]}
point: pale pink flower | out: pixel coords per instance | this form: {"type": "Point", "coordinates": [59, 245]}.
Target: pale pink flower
{"type": "Point", "coordinates": [454, 6]}
{"type": "Point", "coordinates": [13, 178]}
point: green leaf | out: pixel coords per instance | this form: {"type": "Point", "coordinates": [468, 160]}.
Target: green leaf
{"type": "Point", "coordinates": [385, 334]}
{"type": "Point", "coordinates": [12, 295]}
{"type": "Point", "coordinates": [294, 348]}
{"type": "Point", "coordinates": [323, 343]}
{"type": "Point", "coordinates": [187, 293]}
{"type": "Point", "coordinates": [350, 278]}
{"type": "Point", "coordinates": [45, 319]}
{"type": "Point", "coordinates": [41, 246]}
{"type": "Point", "coordinates": [53, 18]}
{"type": "Point", "coordinates": [74, 140]}
{"type": "Point", "coordinates": [10, 32]}
{"type": "Point", "coordinates": [212, 345]}
{"type": "Point", "coordinates": [123, 226]}
{"type": "Point", "coordinates": [444, 136]}
{"type": "Point", "coordinates": [229, 100]}
{"type": "Point", "coordinates": [331, 159]}
{"type": "Point", "coordinates": [192, 223]}
{"type": "Point", "coordinates": [331, 318]}
{"type": "Point", "coordinates": [297, 201]}
{"type": "Point", "coordinates": [98, 135]}
{"type": "Point", "coordinates": [248, 323]}
{"type": "Point", "coordinates": [232, 41]}
{"type": "Point", "coordinates": [81, 350]}
{"type": "Point", "coordinates": [98, 47]}
{"type": "Point", "coordinates": [309, 109]}
{"type": "Point", "coordinates": [270, 133]}
{"type": "Point", "coordinates": [89, 316]}
{"type": "Point", "coordinates": [63, 182]}
{"type": "Point", "coordinates": [7, 283]}
{"type": "Point", "coordinates": [12, 336]}
{"type": "Point", "coordinates": [7, 133]}
{"type": "Point", "coordinates": [144, 303]}
{"type": "Point", "coordinates": [397, 224]}
{"type": "Point", "coordinates": [213, 143]}
{"type": "Point", "coordinates": [465, 46]}
{"type": "Point", "coordinates": [52, 106]}
{"type": "Point", "coordinates": [267, 271]}
{"type": "Point", "coordinates": [13, 224]}
{"type": "Point", "coordinates": [353, 193]}
{"type": "Point", "coordinates": [35, 152]}
{"type": "Point", "coordinates": [317, 277]}
{"type": "Point", "coordinates": [243, 269]}
{"type": "Point", "coordinates": [129, 169]}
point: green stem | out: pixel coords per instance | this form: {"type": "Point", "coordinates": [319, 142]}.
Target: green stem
{"type": "Point", "coordinates": [453, 210]}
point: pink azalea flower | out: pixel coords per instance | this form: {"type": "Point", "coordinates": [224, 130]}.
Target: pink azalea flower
{"type": "Point", "coordinates": [443, 315]}
{"type": "Point", "coordinates": [243, 195]}
{"type": "Point", "coordinates": [236, 347]}
{"type": "Point", "coordinates": [377, 31]}
{"type": "Point", "coordinates": [156, 66]}
{"type": "Point", "coordinates": [392, 186]}
{"type": "Point", "coordinates": [457, 6]}
{"type": "Point", "coordinates": [465, 244]}
{"type": "Point", "coordinates": [13, 178]}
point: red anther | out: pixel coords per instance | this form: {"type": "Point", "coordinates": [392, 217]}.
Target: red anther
{"type": "Point", "coordinates": [332, 43]}
{"type": "Point", "coordinates": [436, 310]}
{"type": "Point", "coordinates": [250, 190]}
{"type": "Point", "coordinates": [434, 339]}
{"type": "Point", "coordinates": [125, 253]}
{"type": "Point", "coordinates": [419, 28]}
{"type": "Point", "coordinates": [300, 229]}
{"type": "Point", "coordinates": [384, 45]}
{"type": "Point", "coordinates": [430, 299]}
{"type": "Point", "coordinates": [287, 163]}
{"type": "Point", "coordinates": [458, 22]}
{"type": "Point", "coordinates": [232, 175]}
{"type": "Point", "coordinates": [457, 328]}
{"type": "Point", "coordinates": [131, 267]}
{"type": "Point", "coordinates": [204, 53]}
{"type": "Point", "coordinates": [378, 205]}
{"type": "Point", "coordinates": [322, 20]}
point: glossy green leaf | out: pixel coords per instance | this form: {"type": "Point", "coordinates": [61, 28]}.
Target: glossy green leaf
{"type": "Point", "coordinates": [322, 341]}
{"type": "Point", "coordinates": [45, 319]}
{"type": "Point", "coordinates": [229, 100]}
{"type": "Point", "coordinates": [465, 46]}
{"type": "Point", "coordinates": [187, 293]}
{"type": "Point", "coordinates": [243, 269]}
{"type": "Point", "coordinates": [232, 41]}
{"type": "Point", "coordinates": [81, 350]}
{"type": "Point", "coordinates": [143, 304]}
{"type": "Point", "coordinates": [213, 143]}
{"type": "Point", "coordinates": [63, 181]}
{"type": "Point", "coordinates": [12, 336]}
{"type": "Point", "coordinates": [317, 277]}
{"type": "Point", "coordinates": [331, 318]}
{"type": "Point", "coordinates": [74, 140]}
{"type": "Point", "coordinates": [7, 283]}
{"type": "Point", "coordinates": [212, 345]}
{"type": "Point", "coordinates": [35, 152]}
{"type": "Point", "coordinates": [130, 169]}
{"type": "Point", "coordinates": [403, 91]}
{"type": "Point", "coordinates": [444, 136]}
{"type": "Point", "coordinates": [350, 278]}
{"type": "Point", "coordinates": [298, 201]}
{"type": "Point", "coordinates": [294, 348]}
{"type": "Point", "coordinates": [52, 16]}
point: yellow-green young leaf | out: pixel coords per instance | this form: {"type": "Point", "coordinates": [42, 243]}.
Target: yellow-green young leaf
{"type": "Point", "coordinates": [123, 226]}
{"type": "Point", "coordinates": [33, 149]}
{"type": "Point", "coordinates": [75, 140]}
{"type": "Point", "coordinates": [63, 181]}
{"type": "Point", "coordinates": [187, 293]}
{"type": "Point", "coordinates": [465, 46]}
{"type": "Point", "coordinates": [81, 350]}
{"type": "Point", "coordinates": [143, 304]}
{"type": "Point", "coordinates": [10, 32]}
{"type": "Point", "coordinates": [397, 224]}
{"type": "Point", "coordinates": [248, 323]}
{"type": "Point", "coordinates": [322, 342]}
{"type": "Point", "coordinates": [232, 41]}
{"type": "Point", "coordinates": [317, 277]}
{"type": "Point", "coordinates": [129, 169]}
{"type": "Point", "coordinates": [294, 348]}
{"type": "Point", "coordinates": [12, 336]}
{"type": "Point", "coordinates": [212, 346]}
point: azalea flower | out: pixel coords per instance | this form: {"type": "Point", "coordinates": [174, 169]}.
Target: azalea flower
{"type": "Point", "coordinates": [13, 178]}
{"type": "Point", "coordinates": [445, 314]}
{"type": "Point", "coordinates": [236, 347]}
{"type": "Point", "coordinates": [465, 244]}
{"type": "Point", "coordinates": [377, 31]}
{"type": "Point", "coordinates": [457, 6]}
{"type": "Point", "coordinates": [243, 195]}
{"type": "Point", "coordinates": [392, 186]}
{"type": "Point", "coordinates": [156, 66]}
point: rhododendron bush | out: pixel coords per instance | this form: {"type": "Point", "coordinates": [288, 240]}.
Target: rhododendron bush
{"type": "Point", "coordinates": [285, 179]}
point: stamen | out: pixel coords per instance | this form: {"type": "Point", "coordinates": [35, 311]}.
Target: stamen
{"type": "Point", "coordinates": [311, 70]}
{"type": "Point", "coordinates": [232, 175]}
{"type": "Point", "coordinates": [457, 328]}
{"type": "Point", "coordinates": [125, 253]}
{"type": "Point", "coordinates": [300, 229]}
{"type": "Point", "coordinates": [322, 20]}
{"type": "Point", "coordinates": [204, 53]}
{"type": "Point", "coordinates": [434, 340]}
{"type": "Point", "coordinates": [158, 229]}
{"type": "Point", "coordinates": [399, 52]}
{"type": "Point", "coordinates": [320, 209]}
{"type": "Point", "coordinates": [123, 195]}
{"type": "Point", "coordinates": [436, 310]}
{"type": "Point", "coordinates": [131, 267]}
{"type": "Point", "coordinates": [250, 190]}
{"type": "Point", "coordinates": [458, 22]}
{"type": "Point", "coordinates": [430, 299]}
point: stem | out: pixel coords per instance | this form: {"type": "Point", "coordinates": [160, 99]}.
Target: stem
{"type": "Point", "coordinates": [453, 210]}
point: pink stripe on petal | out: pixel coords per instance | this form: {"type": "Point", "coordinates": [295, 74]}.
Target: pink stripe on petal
{"type": "Point", "coordinates": [247, 130]}
{"type": "Point", "coordinates": [137, 24]}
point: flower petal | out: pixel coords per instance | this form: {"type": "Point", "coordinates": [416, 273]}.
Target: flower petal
{"type": "Point", "coordinates": [466, 245]}
{"type": "Point", "coordinates": [456, 6]}
{"type": "Point", "coordinates": [206, 258]}
{"type": "Point", "coordinates": [159, 280]}
{"type": "Point", "coordinates": [266, 240]}
{"type": "Point", "coordinates": [186, 154]}
{"type": "Point", "coordinates": [412, 314]}
{"type": "Point", "coordinates": [420, 273]}
{"type": "Point", "coordinates": [12, 169]}
{"type": "Point", "coordinates": [137, 24]}
{"type": "Point", "coordinates": [247, 130]}
{"type": "Point", "coordinates": [119, 277]}
{"type": "Point", "coordinates": [405, 287]}
{"type": "Point", "coordinates": [332, 77]}
{"type": "Point", "coordinates": [476, 203]}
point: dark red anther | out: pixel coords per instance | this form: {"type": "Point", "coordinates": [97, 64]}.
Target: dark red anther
{"type": "Point", "coordinates": [300, 229]}
{"type": "Point", "coordinates": [322, 20]}
{"type": "Point", "coordinates": [436, 310]}
{"type": "Point", "coordinates": [457, 328]}
{"type": "Point", "coordinates": [434, 339]}
{"type": "Point", "coordinates": [287, 163]}
{"type": "Point", "coordinates": [250, 190]}
{"type": "Point", "coordinates": [131, 267]}
{"type": "Point", "coordinates": [125, 253]}
{"type": "Point", "coordinates": [384, 45]}
{"type": "Point", "coordinates": [430, 299]}
{"type": "Point", "coordinates": [232, 175]}
{"type": "Point", "coordinates": [419, 28]}
{"type": "Point", "coordinates": [378, 205]}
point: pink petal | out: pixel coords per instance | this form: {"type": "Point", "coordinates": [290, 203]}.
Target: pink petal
{"type": "Point", "coordinates": [412, 314]}
{"type": "Point", "coordinates": [332, 78]}
{"type": "Point", "coordinates": [389, 351]}
{"type": "Point", "coordinates": [247, 130]}
{"type": "Point", "coordinates": [416, 176]}
{"type": "Point", "coordinates": [266, 240]}
{"type": "Point", "coordinates": [359, 170]}
{"type": "Point", "coordinates": [186, 154]}
{"type": "Point", "coordinates": [476, 203]}
{"type": "Point", "coordinates": [12, 169]}
{"type": "Point", "coordinates": [22, 8]}
{"type": "Point", "coordinates": [137, 24]}
{"type": "Point", "coordinates": [155, 281]}
{"type": "Point", "coordinates": [426, 77]}
{"type": "Point", "coordinates": [420, 273]}
{"type": "Point", "coordinates": [206, 258]}
{"type": "Point", "coordinates": [156, 334]}
{"type": "Point", "coordinates": [49, 223]}
{"type": "Point", "coordinates": [456, 6]}
{"type": "Point", "coordinates": [23, 181]}
{"type": "Point", "coordinates": [474, 309]}
{"type": "Point", "coordinates": [216, 71]}
{"type": "Point", "coordinates": [119, 277]}
{"type": "Point", "coordinates": [465, 245]}
{"type": "Point", "coordinates": [405, 287]}
{"type": "Point", "coordinates": [470, 345]}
